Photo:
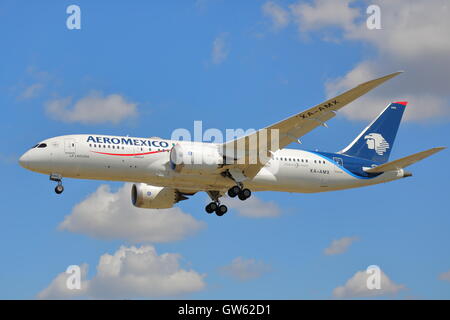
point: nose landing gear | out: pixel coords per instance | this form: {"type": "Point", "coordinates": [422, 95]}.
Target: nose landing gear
{"type": "Point", "coordinates": [59, 189]}
{"type": "Point", "coordinates": [58, 178]}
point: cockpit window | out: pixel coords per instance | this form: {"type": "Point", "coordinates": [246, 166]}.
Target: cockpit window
{"type": "Point", "coordinates": [34, 146]}
{"type": "Point", "coordinates": [42, 145]}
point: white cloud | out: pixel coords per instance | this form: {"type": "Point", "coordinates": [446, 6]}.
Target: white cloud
{"type": "Point", "coordinates": [278, 16]}
{"type": "Point", "coordinates": [253, 207]}
{"type": "Point", "coordinates": [423, 105]}
{"type": "Point", "coordinates": [37, 80]}
{"type": "Point", "coordinates": [131, 273]}
{"type": "Point", "coordinates": [445, 276]}
{"type": "Point", "coordinates": [323, 13]}
{"type": "Point", "coordinates": [356, 287]}
{"type": "Point", "coordinates": [110, 215]}
{"type": "Point", "coordinates": [407, 32]}
{"type": "Point", "coordinates": [92, 109]}
{"type": "Point", "coordinates": [58, 288]}
{"type": "Point", "coordinates": [31, 91]}
{"type": "Point", "coordinates": [245, 269]}
{"type": "Point", "coordinates": [339, 246]}
{"type": "Point", "coordinates": [220, 49]}
{"type": "Point", "coordinates": [414, 37]}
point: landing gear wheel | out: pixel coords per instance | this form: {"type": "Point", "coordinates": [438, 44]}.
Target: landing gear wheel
{"type": "Point", "coordinates": [211, 207]}
{"type": "Point", "coordinates": [59, 189]}
{"type": "Point", "coordinates": [208, 209]}
{"type": "Point", "coordinates": [234, 191]}
{"type": "Point", "coordinates": [221, 210]}
{"type": "Point", "coordinates": [57, 178]}
{"type": "Point", "coordinates": [244, 194]}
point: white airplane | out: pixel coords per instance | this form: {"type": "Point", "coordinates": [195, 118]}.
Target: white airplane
{"type": "Point", "coordinates": [164, 173]}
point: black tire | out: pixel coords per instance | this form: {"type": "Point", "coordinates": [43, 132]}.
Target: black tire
{"type": "Point", "coordinates": [221, 210]}
{"type": "Point", "coordinates": [59, 189]}
{"type": "Point", "coordinates": [208, 209]}
{"type": "Point", "coordinates": [213, 206]}
{"type": "Point", "coordinates": [233, 191]}
{"type": "Point", "coordinates": [244, 194]}
{"type": "Point", "coordinates": [247, 193]}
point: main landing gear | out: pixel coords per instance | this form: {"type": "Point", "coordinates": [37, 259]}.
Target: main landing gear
{"type": "Point", "coordinates": [242, 193]}
{"type": "Point", "coordinates": [221, 209]}
{"type": "Point", "coordinates": [215, 206]}
{"type": "Point", "coordinates": [58, 178]}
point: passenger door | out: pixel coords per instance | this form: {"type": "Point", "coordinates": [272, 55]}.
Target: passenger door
{"type": "Point", "coordinates": [70, 147]}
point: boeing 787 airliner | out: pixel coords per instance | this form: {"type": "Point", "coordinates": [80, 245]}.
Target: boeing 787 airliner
{"type": "Point", "coordinates": [165, 172]}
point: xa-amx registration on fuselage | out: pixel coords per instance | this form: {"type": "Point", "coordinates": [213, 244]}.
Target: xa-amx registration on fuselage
{"type": "Point", "coordinates": [164, 172]}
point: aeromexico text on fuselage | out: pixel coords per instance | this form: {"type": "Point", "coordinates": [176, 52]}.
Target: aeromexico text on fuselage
{"type": "Point", "coordinates": [138, 142]}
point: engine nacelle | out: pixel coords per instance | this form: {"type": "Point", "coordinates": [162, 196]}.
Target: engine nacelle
{"type": "Point", "coordinates": [152, 197]}
{"type": "Point", "coordinates": [195, 158]}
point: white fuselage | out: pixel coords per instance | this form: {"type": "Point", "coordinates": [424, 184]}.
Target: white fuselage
{"type": "Point", "coordinates": [147, 160]}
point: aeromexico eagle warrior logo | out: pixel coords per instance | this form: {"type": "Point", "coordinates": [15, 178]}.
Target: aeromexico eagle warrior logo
{"type": "Point", "coordinates": [376, 141]}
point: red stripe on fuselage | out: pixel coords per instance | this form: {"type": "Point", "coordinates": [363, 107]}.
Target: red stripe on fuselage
{"type": "Point", "coordinates": [129, 154]}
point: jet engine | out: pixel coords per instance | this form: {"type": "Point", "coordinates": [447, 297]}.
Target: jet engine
{"type": "Point", "coordinates": [152, 197]}
{"type": "Point", "coordinates": [195, 158]}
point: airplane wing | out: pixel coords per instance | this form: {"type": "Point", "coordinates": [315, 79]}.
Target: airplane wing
{"type": "Point", "coordinates": [291, 129]}
{"type": "Point", "coordinates": [404, 162]}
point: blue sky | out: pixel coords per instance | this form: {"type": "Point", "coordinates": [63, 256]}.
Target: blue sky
{"type": "Point", "coordinates": [231, 64]}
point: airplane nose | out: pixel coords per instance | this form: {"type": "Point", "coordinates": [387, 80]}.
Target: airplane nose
{"type": "Point", "coordinates": [23, 160]}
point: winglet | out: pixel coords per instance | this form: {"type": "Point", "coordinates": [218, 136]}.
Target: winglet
{"type": "Point", "coordinates": [385, 78]}
{"type": "Point", "coordinates": [365, 87]}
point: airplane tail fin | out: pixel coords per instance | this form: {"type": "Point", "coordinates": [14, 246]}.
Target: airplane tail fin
{"type": "Point", "coordinates": [376, 141]}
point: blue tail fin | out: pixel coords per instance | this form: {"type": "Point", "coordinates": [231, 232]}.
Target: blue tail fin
{"type": "Point", "coordinates": [375, 142]}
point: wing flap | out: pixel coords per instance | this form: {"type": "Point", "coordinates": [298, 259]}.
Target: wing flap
{"type": "Point", "coordinates": [404, 162]}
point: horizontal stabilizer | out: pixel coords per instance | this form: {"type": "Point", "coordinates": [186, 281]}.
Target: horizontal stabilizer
{"type": "Point", "coordinates": [404, 162]}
